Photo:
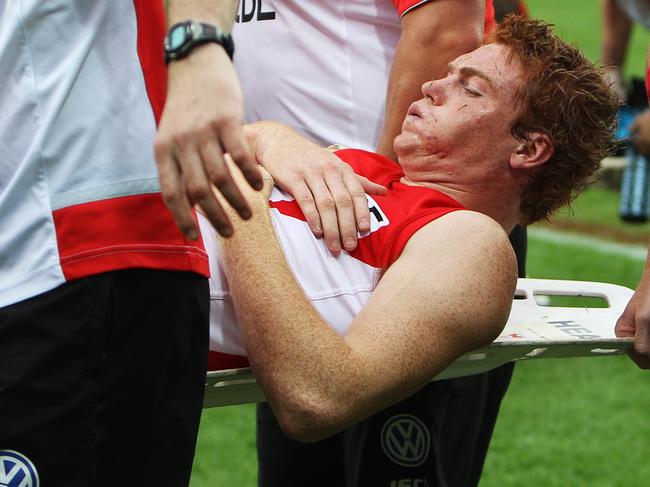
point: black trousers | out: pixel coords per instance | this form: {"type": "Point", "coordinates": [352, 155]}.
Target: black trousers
{"type": "Point", "coordinates": [101, 379]}
{"type": "Point", "coordinates": [436, 438]}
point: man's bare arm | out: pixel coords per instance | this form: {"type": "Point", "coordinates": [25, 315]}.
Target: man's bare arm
{"type": "Point", "coordinates": [449, 292]}
{"type": "Point", "coordinates": [617, 27]}
{"type": "Point", "coordinates": [432, 35]}
{"type": "Point", "coordinates": [202, 120]}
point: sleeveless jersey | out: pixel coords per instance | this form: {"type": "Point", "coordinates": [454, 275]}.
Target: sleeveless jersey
{"type": "Point", "coordinates": [321, 66]}
{"type": "Point", "coordinates": [338, 287]}
{"type": "Point", "coordinates": [83, 84]}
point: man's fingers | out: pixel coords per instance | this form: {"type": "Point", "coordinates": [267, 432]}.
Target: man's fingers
{"type": "Point", "coordinates": [305, 200]}
{"type": "Point", "coordinates": [327, 211]}
{"type": "Point", "coordinates": [371, 187]}
{"type": "Point", "coordinates": [199, 190]}
{"type": "Point", "coordinates": [219, 175]}
{"type": "Point", "coordinates": [624, 326]}
{"type": "Point", "coordinates": [359, 201]}
{"type": "Point", "coordinates": [642, 361]}
{"type": "Point", "coordinates": [642, 336]}
{"type": "Point", "coordinates": [232, 140]}
{"type": "Point", "coordinates": [173, 192]}
{"type": "Point", "coordinates": [344, 210]}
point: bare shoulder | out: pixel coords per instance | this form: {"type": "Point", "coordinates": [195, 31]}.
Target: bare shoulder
{"type": "Point", "coordinates": [473, 262]}
{"type": "Point", "coordinates": [467, 232]}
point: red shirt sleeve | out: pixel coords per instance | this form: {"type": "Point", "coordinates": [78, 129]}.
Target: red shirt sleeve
{"type": "Point", "coordinates": [522, 10]}
{"type": "Point", "coordinates": [404, 6]}
{"type": "Point", "coordinates": [490, 20]}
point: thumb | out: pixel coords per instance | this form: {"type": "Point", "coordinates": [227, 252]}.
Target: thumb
{"type": "Point", "coordinates": [625, 324]}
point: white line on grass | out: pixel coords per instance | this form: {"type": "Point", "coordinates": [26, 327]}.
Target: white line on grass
{"type": "Point", "coordinates": [636, 252]}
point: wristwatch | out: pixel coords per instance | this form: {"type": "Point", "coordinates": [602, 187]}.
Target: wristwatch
{"type": "Point", "coordinates": [185, 36]}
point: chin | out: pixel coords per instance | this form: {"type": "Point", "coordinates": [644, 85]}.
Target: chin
{"type": "Point", "coordinates": [405, 143]}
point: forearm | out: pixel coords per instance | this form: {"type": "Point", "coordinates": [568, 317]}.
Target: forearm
{"type": "Point", "coordinates": [432, 36]}
{"type": "Point", "coordinates": [297, 361]}
{"type": "Point", "coordinates": [271, 142]}
{"type": "Point", "coordinates": [616, 34]}
{"type": "Point", "coordinates": [220, 13]}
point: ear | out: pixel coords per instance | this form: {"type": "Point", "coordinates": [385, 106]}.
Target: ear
{"type": "Point", "coordinates": [534, 151]}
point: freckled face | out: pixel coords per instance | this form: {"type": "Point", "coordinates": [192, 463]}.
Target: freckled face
{"type": "Point", "coordinates": [463, 117]}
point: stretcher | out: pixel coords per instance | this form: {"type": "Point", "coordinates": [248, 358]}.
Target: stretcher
{"type": "Point", "coordinates": [536, 329]}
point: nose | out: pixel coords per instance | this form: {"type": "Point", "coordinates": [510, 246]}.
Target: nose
{"type": "Point", "coordinates": [434, 90]}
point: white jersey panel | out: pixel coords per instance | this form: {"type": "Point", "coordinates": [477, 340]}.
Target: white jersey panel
{"type": "Point", "coordinates": [58, 125]}
{"type": "Point", "coordinates": [338, 287]}
{"type": "Point", "coordinates": [308, 64]}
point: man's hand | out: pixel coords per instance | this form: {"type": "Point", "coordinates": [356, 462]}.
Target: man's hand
{"type": "Point", "coordinates": [201, 121]}
{"type": "Point", "coordinates": [329, 193]}
{"type": "Point", "coordinates": [641, 129]}
{"type": "Point", "coordinates": [635, 322]}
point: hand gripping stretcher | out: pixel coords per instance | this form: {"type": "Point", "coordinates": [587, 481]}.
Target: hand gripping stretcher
{"type": "Point", "coordinates": [533, 331]}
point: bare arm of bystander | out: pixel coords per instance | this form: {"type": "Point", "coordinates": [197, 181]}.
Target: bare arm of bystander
{"type": "Point", "coordinates": [433, 35]}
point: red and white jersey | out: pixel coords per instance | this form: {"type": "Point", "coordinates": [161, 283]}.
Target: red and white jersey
{"type": "Point", "coordinates": [337, 286]}
{"type": "Point", "coordinates": [321, 66]}
{"type": "Point", "coordinates": [82, 86]}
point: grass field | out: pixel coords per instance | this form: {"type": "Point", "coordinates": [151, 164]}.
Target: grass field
{"type": "Point", "coordinates": [564, 422]}
{"type": "Point", "coordinates": [578, 21]}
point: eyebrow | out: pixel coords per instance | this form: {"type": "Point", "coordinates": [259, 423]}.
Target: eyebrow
{"type": "Point", "coordinates": [468, 72]}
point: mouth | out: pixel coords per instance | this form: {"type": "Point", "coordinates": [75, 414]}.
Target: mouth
{"type": "Point", "coordinates": [414, 110]}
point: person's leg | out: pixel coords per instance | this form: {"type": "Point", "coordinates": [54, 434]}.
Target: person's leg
{"type": "Point", "coordinates": [399, 446]}
{"type": "Point", "coordinates": [153, 378]}
{"type": "Point", "coordinates": [50, 361]}
{"type": "Point", "coordinates": [470, 418]}
{"type": "Point", "coordinates": [101, 379]}
{"type": "Point", "coordinates": [283, 462]}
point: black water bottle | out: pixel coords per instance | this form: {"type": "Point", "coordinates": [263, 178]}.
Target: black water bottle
{"type": "Point", "coordinates": [634, 187]}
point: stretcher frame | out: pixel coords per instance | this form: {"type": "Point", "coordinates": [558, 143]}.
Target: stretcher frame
{"type": "Point", "coordinates": [533, 331]}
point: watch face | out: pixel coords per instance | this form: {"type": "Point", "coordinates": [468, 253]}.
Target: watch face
{"type": "Point", "coordinates": [177, 36]}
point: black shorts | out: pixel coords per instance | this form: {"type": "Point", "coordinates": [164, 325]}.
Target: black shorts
{"type": "Point", "coordinates": [436, 438]}
{"type": "Point", "coordinates": [101, 379]}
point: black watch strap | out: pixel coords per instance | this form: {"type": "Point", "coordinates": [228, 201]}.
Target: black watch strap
{"type": "Point", "coordinates": [185, 36]}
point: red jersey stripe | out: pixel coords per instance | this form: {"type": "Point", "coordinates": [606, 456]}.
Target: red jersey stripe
{"type": "Point", "coordinates": [404, 5]}
{"type": "Point", "coordinates": [151, 32]}
{"type": "Point", "coordinates": [124, 232]}
{"type": "Point", "coordinates": [224, 361]}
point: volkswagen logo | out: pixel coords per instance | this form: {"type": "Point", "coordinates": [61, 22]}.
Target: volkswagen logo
{"type": "Point", "coordinates": [405, 440]}
{"type": "Point", "coordinates": [16, 470]}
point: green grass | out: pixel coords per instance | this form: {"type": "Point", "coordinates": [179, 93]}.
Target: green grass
{"type": "Point", "coordinates": [572, 422]}
{"type": "Point", "coordinates": [225, 451]}
{"type": "Point", "coordinates": [598, 208]}
{"type": "Point", "coordinates": [578, 21]}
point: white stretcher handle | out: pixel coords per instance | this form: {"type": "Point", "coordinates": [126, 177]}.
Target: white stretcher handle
{"type": "Point", "coordinates": [532, 332]}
